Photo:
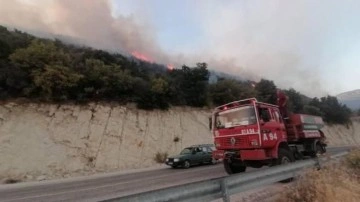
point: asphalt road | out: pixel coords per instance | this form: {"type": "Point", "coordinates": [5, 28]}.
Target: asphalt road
{"type": "Point", "coordinates": [100, 187]}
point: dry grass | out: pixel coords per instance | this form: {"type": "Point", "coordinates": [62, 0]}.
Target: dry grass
{"type": "Point", "coordinates": [353, 160]}
{"type": "Point", "coordinates": [160, 157]}
{"type": "Point", "coordinates": [11, 181]}
{"type": "Point", "coordinates": [10, 178]}
{"type": "Point", "coordinates": [335, 182]}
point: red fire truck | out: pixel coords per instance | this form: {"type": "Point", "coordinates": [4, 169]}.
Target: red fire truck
{"type": "Point", "coordinates": [248, 133]}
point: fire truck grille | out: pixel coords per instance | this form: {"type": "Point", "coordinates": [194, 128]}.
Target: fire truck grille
{"type": "Point", "coordinates": [235, 141]}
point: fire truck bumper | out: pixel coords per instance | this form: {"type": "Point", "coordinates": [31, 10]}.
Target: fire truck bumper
{"type": "Point", "coordinates": [250, 154]}
{"type": "Point", "coordinates": [254, 154]}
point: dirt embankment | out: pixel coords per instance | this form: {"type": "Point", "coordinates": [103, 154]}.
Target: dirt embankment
{"type": "Point", "coordinates": [339, 135]}
{"type": "Point", "coordinates": [53, 141]}
{"type": "Point", "coordinates": [44, 141]}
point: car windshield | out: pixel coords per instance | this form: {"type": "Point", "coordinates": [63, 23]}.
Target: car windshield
{"type": "Point", "coordinates": [240, 116]}
{"type": "Point", "coordinates": [186, 151]}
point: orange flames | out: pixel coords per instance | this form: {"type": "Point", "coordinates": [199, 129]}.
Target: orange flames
{"type": "Point", "coordinates": [141, 56]}
{"type": "Point", "coordinates": [170, 67]}
{"type": "Point", "coordinates": [145, 58]}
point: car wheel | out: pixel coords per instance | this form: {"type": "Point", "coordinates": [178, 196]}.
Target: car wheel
{"type": "Point", "coordinates": [186, 164]}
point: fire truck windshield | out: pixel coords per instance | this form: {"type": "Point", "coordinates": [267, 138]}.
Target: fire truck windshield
{"type": "Point", "coordinates": [240, 116]}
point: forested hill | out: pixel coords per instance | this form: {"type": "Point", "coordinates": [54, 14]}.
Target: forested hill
{"type": "Point", "coordinates": [50, 70]}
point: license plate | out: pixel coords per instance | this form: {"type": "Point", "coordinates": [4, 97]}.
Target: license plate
{"type": "Point", "coordinates": [170, 163]}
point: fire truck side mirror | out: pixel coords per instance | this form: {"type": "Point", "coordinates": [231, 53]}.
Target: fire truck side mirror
{"type": "Point", "coordinates": [210, 123]}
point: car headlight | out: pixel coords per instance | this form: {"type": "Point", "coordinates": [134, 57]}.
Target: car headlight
{"type": "Point", "coordinates": [167, 160]}
{"type": "Point", "coordinates": [176, 160]}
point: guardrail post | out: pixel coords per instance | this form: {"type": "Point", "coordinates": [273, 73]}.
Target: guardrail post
{"type": "Point", "coordinates": [224, 191]}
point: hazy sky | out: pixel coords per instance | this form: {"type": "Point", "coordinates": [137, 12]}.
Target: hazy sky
{"type": "Point", "coordinates": [312, 46]}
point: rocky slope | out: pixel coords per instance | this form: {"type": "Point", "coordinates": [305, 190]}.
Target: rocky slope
{"type": "Point", "coordinates": [43, 141]}
{"type": "Point", "coordinates": [340, 135]}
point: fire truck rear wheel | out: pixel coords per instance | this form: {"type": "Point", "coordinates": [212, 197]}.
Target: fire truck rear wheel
{"type": "Point", "coordinates": [318, 151]}
{"type": "Point", "coordinates": [233, 167]}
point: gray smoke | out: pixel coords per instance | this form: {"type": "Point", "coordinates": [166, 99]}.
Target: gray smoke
{"type": "Point", "coordinates": [90, 21]}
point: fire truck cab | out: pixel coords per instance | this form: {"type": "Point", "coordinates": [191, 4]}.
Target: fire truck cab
{"type": "Point", "coordinates": [248, 133]}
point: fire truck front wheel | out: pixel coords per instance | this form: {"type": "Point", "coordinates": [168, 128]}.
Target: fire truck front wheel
{"type": "Point", "coordinates": [233, 166]}
{"type": "Point", "coordinates": [285, 157]}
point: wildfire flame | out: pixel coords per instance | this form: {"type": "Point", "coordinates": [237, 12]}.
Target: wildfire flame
{"type": "Point", "coordinates": [170, 67]}
{"type": "Point", "coordinates": [141, 56]}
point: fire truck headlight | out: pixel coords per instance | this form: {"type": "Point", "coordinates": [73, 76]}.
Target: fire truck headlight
{"type": "Point", "coordinates": [217, 143]}
{"type": "Point", "coordinates": [254, 143]}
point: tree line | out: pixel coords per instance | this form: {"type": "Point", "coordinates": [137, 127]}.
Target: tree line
{"type": "Point", "coordinates": [50, 70]}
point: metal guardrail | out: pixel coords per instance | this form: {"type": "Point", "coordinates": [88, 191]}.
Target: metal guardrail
{"type": "Point", "coordinates": [224, 187]}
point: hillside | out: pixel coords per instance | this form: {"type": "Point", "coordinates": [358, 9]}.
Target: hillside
{"type": "Point", "coordinates": [350, 98]}
{"type": "Point", "coordinates": [49, 71]}
{"type": "Point", "coordinates": [46, 141]}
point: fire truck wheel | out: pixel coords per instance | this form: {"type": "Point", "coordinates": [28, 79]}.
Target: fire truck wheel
{"type": "Point", "coordinates": [186, 164]}
{"type": "Point", "coordinates": [285, 157]}
{"type": "Point", "coordinates": [318, 150]}
{"type": "Point", "coordinates": [233, 167]}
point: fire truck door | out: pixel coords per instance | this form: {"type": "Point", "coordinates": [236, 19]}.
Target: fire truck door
{"type": "Point", "coordinates": [269, 127]}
